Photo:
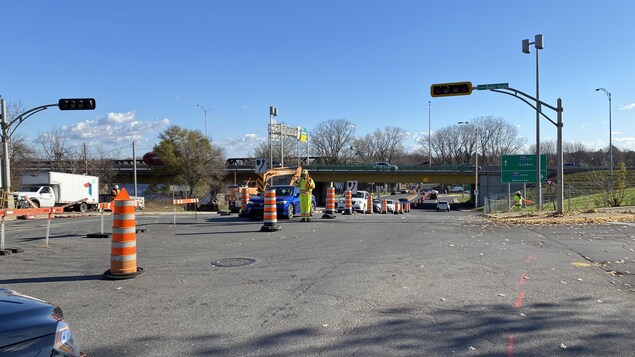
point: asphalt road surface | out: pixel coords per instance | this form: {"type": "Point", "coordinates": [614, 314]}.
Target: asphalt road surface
{"type": "Point", "coordinates": [425, 283]}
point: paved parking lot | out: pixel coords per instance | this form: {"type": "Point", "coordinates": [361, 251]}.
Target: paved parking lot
{"type": "Point", "coordinates": [424, 283]}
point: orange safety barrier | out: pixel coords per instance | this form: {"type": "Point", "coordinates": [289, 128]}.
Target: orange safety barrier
{"type": "Point", "coordinates": [384, 206]}
{"type": "Point", "coordinates": [183, 201]}
{"type": "Point", "coordinates": [329, 211]}
{"type": "Point", "coordinates": [369, 204]}
{"type": "Point", "coordinates": [123, 250]}
{"type": "Point", "coordinates": [397, 207]}
{"type": "Point", "coordinates": [270, 214]}
{"type": "Point", "coordinates": [348, 202]}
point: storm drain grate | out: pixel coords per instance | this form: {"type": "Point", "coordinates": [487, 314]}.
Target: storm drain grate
{"type": "Point", "coordinates": [233, 262]}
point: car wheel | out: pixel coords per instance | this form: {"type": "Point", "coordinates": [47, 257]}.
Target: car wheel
{"type": "Point", "coordinates": [36, 204]}
{"type": "Point", "coordinates": [290, 211]}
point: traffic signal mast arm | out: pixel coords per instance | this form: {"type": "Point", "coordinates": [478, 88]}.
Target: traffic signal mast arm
{"type": "Point", "coordinates": [22, 117]}
{"type": "Point", "coordinates": [519, 94]}
{"type": "Point", "coordinates": [62, 104]}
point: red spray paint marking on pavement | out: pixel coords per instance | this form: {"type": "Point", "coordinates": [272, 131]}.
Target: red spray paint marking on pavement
{"type": "Point", "coordinates": [519, 301]}
{"type": "Point", "coordinates": [510, 346]}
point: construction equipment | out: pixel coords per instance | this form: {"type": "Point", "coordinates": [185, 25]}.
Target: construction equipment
{"type": "Point", "coordinates": [295, 173]}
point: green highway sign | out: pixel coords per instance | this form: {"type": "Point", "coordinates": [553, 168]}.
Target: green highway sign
{"type": "Point", "coordinates": [492, 86]}
{"type": "Point", "coordinates": [522, 168]}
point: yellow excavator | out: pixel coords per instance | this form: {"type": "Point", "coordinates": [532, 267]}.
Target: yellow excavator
{"type": "Point", "coordinates": [233, 194]}
{"type": "Point", "coordinates": [295, 173]}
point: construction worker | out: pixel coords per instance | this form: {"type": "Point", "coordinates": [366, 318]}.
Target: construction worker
{"type": "Point", "coordinates": [115, 191]}
{"type": "Point", "coordinates": [306, 186]}
{"type": "Point", "coordinates": [518, 200]}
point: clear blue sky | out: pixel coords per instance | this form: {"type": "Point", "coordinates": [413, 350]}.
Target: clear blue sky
{"type": "Point", "coordinates": [149, 63]}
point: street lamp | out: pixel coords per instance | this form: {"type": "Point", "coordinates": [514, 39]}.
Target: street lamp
{"type": "Point", "coordinates": [205, 111]}
{"type": "Point", "coordinates": [538, 44]}
{"type": "Point", "coordinates": [608, 94]}
{"type": "Point", "coordinates": [475, 163]}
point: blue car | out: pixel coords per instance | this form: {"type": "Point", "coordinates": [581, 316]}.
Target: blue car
{"type": "Point", "coordinates": [287, 202]}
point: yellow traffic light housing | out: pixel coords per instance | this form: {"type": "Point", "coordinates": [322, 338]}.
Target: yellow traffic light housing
{"type": "Point", "coordinates": [451, 89]}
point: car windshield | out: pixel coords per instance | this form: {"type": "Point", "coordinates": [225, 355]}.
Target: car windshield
{"type": "Point", "coordinates": [359, 195]}
{"type": "Point", "coordinates": [284, 191]}
{"type": "Point", "coordinates": [30, 188]}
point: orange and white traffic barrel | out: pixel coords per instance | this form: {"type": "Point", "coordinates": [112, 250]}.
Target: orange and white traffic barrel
{"type": "Point", "coordinates": [348, 202]}
{"type": "Point", "coordinates": [244, 198]}
{"type": "Point", "coordinates": [397, 207]}
{"type": "Point", "coordinates": [123, 251]}
{"type": "Point", "coordinates": [369, 205]}
{"type": "Point", "coordinates": [270, 213]}
{"type": "Point", "coordinates": [329, 211]}
{"type": "Point", "coordinates": [384, 206]}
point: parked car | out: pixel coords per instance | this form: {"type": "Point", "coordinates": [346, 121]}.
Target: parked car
{"type": "Point", "coordinates": [456, 189]}
{"type": "Point", "coordinates": [390, 205]}
{"type": "Point", "coordinates": [443, 206]}
{"type": "Point", "coordinates": [381, 166]}
{"type": "Point", "coordinates": [376, 205]}
{"type": "Point", "coordinates": [287, 202]}
{"type": "Point", "coordinates": [33, 327]}
{"type": "Point", "coordinates": [433, 194]}
{"type": "Point", "coordinates": [360, 202]}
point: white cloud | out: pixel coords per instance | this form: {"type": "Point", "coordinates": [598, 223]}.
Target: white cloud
{"type": "Point", "coordinates": [114, 128]}
{"type": "Point", "coordinates": [243, 146]}
{"type": "Point", "coordinates": [627, 106]}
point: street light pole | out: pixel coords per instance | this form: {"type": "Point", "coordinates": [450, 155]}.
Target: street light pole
{"type": "Point", "coordinates": [475, 163]}
{"type": "Point", "coordinates": [538, 44]}
{"type": "Point", "coordinates": [205, 111]}
{"type": "Point", "coordinates": [429, 136]}
{"type": "Point", "coordinates": [608, 94]}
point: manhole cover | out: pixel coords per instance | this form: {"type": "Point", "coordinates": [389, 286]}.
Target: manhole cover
{"type": "Point", "coordinates": [233, 262]}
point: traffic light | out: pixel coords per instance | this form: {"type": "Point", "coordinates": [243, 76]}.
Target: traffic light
{"type": "Point", "coordinates": [76, 104]}
{"type": "Point", "coordinates": [450, 89]}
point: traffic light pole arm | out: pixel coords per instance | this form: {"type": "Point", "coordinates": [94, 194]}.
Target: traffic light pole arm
{"type": "Point", "coordinates": [22, 117]}
{"type": "Point", "coordinates": [516, 93]}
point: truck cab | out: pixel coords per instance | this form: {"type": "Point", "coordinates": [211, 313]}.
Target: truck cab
{"type": "Point", "coordinates": [41, 196]}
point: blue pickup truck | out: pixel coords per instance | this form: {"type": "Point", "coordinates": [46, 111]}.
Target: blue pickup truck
{"type": "Point", "coordinates": [287, 202]}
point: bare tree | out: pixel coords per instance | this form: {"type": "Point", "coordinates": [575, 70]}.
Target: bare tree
{"type": "Point", "coordinates": [386, 143]}
{"type": "Point", "coordinates": [61, 155]}
{"type": "Point", "coordinates": [21, 154]}
{"type": "Point", "coordinates": [496, 138]}
{"type": "Point", "coordinates": [331, 138]}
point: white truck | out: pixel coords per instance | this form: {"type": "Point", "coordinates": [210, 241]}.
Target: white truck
{"type": "Point", "coordinates": [48, 189]}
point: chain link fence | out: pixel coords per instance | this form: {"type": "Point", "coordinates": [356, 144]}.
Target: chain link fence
{"type": "Point", "coordinates": [577, 196]}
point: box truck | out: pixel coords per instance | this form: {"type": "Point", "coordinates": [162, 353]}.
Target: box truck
{"type": "Point", "coordinates": [48, 189]}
